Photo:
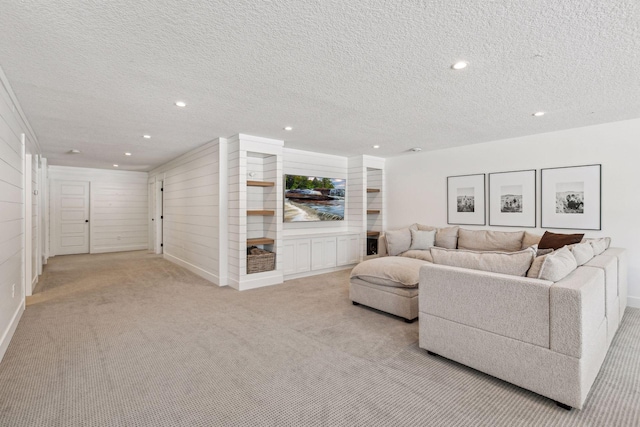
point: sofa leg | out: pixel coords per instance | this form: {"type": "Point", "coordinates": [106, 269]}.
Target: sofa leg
{"type": "Point", "coordinates": [355, 303]}
{"type": "Point", "coordinates": [410, 320]}
{"type": "Point", "coordinates": [563, 406]}
{"type": "Point", "coordinates": [431, 353]}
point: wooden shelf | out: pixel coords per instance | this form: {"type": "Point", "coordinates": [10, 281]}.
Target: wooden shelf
{"type": "Point", "coordinates": [373, 233]}
{"type": "Point", "coordinates": [260, 184]}
{"type": "Point", "coordinates": [373, 190]}
{"type": "Point", "coordinates": [261, 213]}
{"type": "Point", "coordinates": [260, 241]}
{"type": "Point", "coordinates": [373, 211]}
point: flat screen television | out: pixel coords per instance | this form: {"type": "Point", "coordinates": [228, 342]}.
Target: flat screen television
{"type": "Point", "coordinates": [313, 198]}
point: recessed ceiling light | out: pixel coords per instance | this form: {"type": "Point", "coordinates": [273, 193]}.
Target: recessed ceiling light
{"type": "Point", "coordinates": [146, 136]}
{"type": "Point", "coordinates": [460, 65]}
{"type": "Point", "coordinates": [127, 154]}
{"type": "Point", "coordinates": [115, 166]}
{"type": "Point", "coordinates": [181, 103]}
{"type": "Point", "coordinates": [288, 128]}
{"type": "Point", "coordinates": [74, 151]}
{"type": "Point", "coordinates": [376, 146]}
{"type": "Point", "coordinates": [539, 113]}
{"type": "Point", "coordinates": [415, 149]}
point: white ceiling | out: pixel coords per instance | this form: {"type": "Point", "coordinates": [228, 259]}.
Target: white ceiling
{"type": "Point", "coordinates": [97, 75]}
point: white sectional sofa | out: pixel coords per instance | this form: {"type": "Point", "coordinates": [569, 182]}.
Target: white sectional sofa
{"type": "Point", "coordinates": [548, 333]}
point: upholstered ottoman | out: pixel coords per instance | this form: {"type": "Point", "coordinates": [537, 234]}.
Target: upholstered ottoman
{"type": "Point", "coordinates": [389, 284]}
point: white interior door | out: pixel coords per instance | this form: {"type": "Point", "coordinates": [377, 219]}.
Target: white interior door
{"type": "Point", "coordinates": [152, 216]}
{"type": "Point", "coordinates": [71, 203]}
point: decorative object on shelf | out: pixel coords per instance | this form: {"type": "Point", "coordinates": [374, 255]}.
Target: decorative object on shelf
{"type": "Point", "coordinates": [571, 197]}
{"type": "Point", "coordinates": [512, 198]}
{"type": "Point", "coordinates": [312, 198]}
{"type": "Point", "coordinates": [260, 260]}
{"type": "Point", "coordinates": [466, 199]}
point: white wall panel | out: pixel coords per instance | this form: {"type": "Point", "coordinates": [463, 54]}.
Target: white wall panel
{"type": "Point", "coordinates": [118, 207]}
{"type": "Point", "coordinates": [191, 197]}
{"type": "Point", "coordinates": [13, 277]}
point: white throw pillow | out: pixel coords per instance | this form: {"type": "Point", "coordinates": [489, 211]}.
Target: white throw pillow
{"type": "Point", "coordinates": [582, 252]}
{"type": "Point", "coordinates": [558, 265]}
{"type": "Point", "coordinates": [422, 239]}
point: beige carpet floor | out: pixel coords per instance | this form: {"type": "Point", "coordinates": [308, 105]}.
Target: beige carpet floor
{"type": "Point", "coordinates": [130, 339]}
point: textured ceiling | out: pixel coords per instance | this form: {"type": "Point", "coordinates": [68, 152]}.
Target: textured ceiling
{"type": "Point", "coordinates": [97, 75]}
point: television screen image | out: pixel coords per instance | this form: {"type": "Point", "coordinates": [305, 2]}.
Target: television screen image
{"type": "Point", "coordinates": [313, 198]}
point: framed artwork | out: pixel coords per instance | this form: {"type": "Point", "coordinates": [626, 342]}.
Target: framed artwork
{"type": "Point", "coordinates": [466, 200]}
{"type": "Point", "coordinates": [571, 197]}
{"type": "Point", "coordinates": [512, 198]}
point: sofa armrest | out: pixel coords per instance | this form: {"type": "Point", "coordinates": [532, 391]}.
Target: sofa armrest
{"type": "Point", "coordinates": [511, 306]}
{"type": "Point", "coordinates": [577, 305]}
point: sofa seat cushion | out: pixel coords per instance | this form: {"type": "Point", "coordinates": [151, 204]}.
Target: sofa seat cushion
{"type": "Point", "coordinates": [486, 240]}
{"type": "Point", "coordinates": [512, 263]}
{"type": "Point", "coordinates": [389, 271]}
{"type": "Point", "coordinates": [422, 255]}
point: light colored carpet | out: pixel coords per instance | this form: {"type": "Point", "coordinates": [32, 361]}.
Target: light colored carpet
{"type": "Point", "coordinates": [130, 339]}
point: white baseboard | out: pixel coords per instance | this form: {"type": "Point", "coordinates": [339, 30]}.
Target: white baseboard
{"type": "Point", "coordinates": [8, 333]}
{"type": "Point", "coordinates": [633, 302]}
{"type": "Point", "coordinates": [316, 272]}
{"type": "Point", "coordinates": [193, 268]}
{"type": "Point", "coordinates": [257, 280]}
{"type": "Point", "coordinates": [106, 249]}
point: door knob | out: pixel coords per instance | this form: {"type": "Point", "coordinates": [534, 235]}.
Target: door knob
{"type": "Point", "coordinates": [86, 220]}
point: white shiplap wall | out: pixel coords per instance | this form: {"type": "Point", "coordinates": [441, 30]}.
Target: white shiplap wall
{"type": "Point", "coordinates": [307, 163]}
{"type": "Point", "coordinates": [117, 207]}
{"type": "Point", "coordinates": [193, 227]}
{"type": "Point", "coordinates": [13, 124]}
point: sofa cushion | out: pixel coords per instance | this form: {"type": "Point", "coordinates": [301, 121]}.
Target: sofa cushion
{"type": "Point", "coordinates": [513, 263]}
{"type": "Point", "coordinates": [485, 240]}
{"type": "Point", "coordinates": [536, 265]}
{"type": "Point", "coordinates": [530, 239]}
{"type": "Point", "coordinates": [422, 239]}
{"type": "Point", "coordinates": [398, 241]}
{"type": "Point", "coordinates": [389, 271]}
{"type": "Point", "coordinates": [556, 240]}
{"type": "Point", "coordinates": [582, 252]}
{"type": "Point", "coordinates": [557, 265]}
{"type": "Point", "coordinates": [418, 254]}
{"type": "Point", "coordinates": [599, 245]}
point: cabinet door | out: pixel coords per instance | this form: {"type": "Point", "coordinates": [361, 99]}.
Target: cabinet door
{"type": "Point", "coordinates": [353, 249]}
{"type": "Point", "coordinates": [348, 250]}
{"type": "Point", "coordinates": [303, 255]}
{"type": "Point", "coordinates": [329, 252]}
{"type": "Point", "coordinates": [317, 254]}
{"type": "Point", "coordinates": [289, 257]}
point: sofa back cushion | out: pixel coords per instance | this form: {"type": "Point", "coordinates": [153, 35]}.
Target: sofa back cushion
{"type": "Point", "coordinates": [599, 245]}
{"type": "Point", "coordinates": [398, 241]}
{"type": "Point", "coordinates": [486, 240]}
{"type": "Point", "coordinates": [530, 239]}
{"type": "Point", "coordinates": [512, 263]}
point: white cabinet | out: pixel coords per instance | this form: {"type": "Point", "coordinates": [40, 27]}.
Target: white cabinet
{"type": "Point", "coordinates": [296, 256]}
{"type": "Point", "coordinates": [302, 255]}
{"type": "Point", "coordinates": [323, 253]}
{"type": "Point", "coordinates": [347, 251]}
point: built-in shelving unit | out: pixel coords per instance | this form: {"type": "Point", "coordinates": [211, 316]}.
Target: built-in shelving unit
{"type": "Point", "coordinates": [374, 221]}
{"type": "Point", "coordinates": [255, 208]}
